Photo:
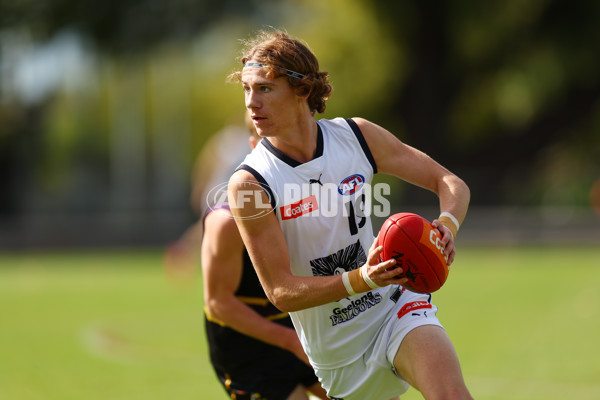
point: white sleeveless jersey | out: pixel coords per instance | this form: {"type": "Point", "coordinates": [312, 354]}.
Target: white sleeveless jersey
{"type": "Point", "coordinates": [320, 206]}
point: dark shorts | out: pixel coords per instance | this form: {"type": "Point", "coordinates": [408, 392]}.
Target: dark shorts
{"type": "Point", "coordinates": [275, 381]}
{"type": "Point", "coordinates": [251, 369]}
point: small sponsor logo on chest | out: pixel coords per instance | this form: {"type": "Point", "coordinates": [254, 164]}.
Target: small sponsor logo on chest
{"type": "Point", "coordinates": [295, 210]}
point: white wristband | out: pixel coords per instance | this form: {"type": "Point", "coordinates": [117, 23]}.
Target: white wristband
{"type": "Point", "coordinates": [452, 218]}
{"type": "Point", "coordinates": [366, 278]}
{"type": "Point", "coordinates": [347, 285]}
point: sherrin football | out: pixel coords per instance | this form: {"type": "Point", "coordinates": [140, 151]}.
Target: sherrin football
{"type": "Point", "coordinates": [415, 244]}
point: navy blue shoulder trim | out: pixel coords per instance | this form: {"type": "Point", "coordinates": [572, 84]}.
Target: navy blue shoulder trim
{"type": "Point", "coordinates": [319, 149]}
{"type": "Point", "coordinates": [263, 183]}
{"type": "Point", "coordinates": [363, 143]}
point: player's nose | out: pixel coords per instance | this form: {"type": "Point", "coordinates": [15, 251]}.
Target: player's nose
{"type": "Point", "coordinates": [252, 100]}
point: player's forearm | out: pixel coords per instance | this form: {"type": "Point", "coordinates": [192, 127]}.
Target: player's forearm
{"type": "Point", "coordinates": [238, 316]}
{"type": "Point", "coordinates": [454, 196]}
{"type": "Point", "coordinates": [297, 293]}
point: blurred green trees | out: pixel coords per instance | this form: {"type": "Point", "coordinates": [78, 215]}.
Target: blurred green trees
{"type": "Point", "coordinates": [105, 105]}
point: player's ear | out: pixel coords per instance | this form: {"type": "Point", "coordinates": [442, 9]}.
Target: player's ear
{"type": "Point", "coordinates": [303, 92]}
{"type": "Point", "coordinates": [302, 98]}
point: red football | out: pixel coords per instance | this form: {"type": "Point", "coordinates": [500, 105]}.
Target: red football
{"type": "Point", "coordinates": [415, 244]}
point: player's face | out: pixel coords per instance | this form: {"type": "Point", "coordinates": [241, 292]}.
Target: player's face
{"type": "Point", "coordinates": [272, 103]}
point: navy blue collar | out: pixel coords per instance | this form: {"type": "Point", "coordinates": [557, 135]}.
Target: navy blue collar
{"type": "Point", "coordinates": [289, 160]}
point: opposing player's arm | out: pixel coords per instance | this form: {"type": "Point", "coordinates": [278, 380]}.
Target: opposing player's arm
{"type": "Point", "coordinates": [394, 157]}
{"type": "Point", "coordinates": [267, 247]}
{"type": "Point", "coordinates": [222, 250]}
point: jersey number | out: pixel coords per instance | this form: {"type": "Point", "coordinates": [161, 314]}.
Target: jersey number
{"type": "Point", "coordinates": [356, 214]}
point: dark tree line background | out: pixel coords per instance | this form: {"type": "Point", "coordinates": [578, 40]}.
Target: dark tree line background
{"type": "Point", "coordinates": [506, 94]}
{"type": "Point", "coordinates": [440, 75]}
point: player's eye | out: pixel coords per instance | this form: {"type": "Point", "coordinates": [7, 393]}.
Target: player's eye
{"type": "Point", "coordinates": [265, 89]}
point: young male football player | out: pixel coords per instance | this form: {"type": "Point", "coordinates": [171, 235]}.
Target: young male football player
{"type": "Point", "coordinates": [315, 254]}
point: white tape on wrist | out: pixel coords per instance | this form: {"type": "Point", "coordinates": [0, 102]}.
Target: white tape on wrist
{"type": "Point", "coordinates": [452, 218]}
{"type": "Point", "coordinates": [366, 278]}
{"type": "Point", "coordinates": [347, 285]}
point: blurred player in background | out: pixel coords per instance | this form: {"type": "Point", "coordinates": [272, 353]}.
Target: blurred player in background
{"type": "Point", "coordinates": [254, 348]}
{"type": "Point", "coordinates": [218, 158]}
{"type": "Point", "coordinates": [366, 337]}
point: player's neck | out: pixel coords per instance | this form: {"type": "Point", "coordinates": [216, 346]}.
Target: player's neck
{"type": "Point", "coordinates": [300, 142]}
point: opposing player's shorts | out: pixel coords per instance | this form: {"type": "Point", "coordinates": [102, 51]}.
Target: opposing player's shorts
{"type": "Point", "coordinates": [372, 376]}
{"type": "Point", "coordinates": [264, 384]}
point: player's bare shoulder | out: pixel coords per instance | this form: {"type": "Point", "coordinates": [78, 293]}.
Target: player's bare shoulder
{"type": "Point", "coordinates": [247, 197]}
{"type": "Point", "coordinates": [220, 223]}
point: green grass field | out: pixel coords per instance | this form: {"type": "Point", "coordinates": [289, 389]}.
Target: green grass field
{"type": "Point", "coordinates": [110, 325]}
